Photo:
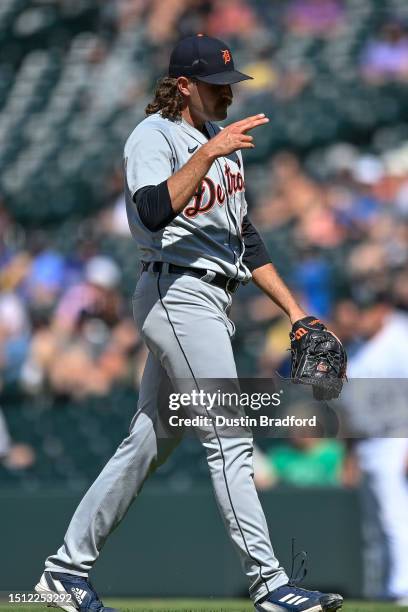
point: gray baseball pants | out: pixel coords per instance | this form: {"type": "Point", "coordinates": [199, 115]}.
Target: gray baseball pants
{"type": "Point", "coordinates": [185, 325]}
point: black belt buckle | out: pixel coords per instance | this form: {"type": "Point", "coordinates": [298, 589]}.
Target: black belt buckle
{"type": "Point", "coordinates": [231, 285]}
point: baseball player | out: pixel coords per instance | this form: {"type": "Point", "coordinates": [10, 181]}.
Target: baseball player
{"type": "Point", "coordinates": [185, 192]}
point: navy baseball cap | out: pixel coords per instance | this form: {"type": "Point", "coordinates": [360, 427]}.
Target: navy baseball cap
{"type": "Point", "coordinates": [205, 59]}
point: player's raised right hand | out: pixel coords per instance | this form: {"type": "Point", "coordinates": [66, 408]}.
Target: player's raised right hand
{"type": "Point", "coordinates": [234, 137]}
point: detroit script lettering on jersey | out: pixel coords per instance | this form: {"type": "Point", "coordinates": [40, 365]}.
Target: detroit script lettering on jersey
{"type": "Point", "coordinates": [210, 193]}
{"type": "Point", "coordinates": [156, 150]}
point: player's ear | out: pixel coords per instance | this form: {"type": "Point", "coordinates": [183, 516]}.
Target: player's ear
{"type": "Point", "coordinates": [184, 85]}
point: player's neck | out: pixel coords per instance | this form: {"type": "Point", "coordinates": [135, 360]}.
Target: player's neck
{"type": "Point", "coordinates": [197, 122]}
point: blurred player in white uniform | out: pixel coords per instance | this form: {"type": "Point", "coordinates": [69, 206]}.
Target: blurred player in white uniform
{"type": "Point", "coordinates": [384, 460]}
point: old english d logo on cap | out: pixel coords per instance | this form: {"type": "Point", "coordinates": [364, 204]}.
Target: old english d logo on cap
{"type": "Point", "coordinates": [226, 55]}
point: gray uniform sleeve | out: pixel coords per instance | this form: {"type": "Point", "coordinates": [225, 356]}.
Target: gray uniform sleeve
{"type": "Point", "coordinates": [149, 159]}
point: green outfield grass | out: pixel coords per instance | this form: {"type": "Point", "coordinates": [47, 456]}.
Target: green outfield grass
{"type": "Point", "coordinates": [199, 605]}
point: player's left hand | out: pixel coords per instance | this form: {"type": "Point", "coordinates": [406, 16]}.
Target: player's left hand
{"type": "Point", "coordinates": [318, 358]}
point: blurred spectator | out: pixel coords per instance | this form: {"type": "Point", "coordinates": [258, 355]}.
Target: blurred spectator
{"type": "Point", "coordinates": [275, 356]}
{"type": "Point", "coordinates": [87, 349]}
{"type": "Point", "coordinates": [304, 462]}
{"type": "Point", "coordinates": [13, 456]}
{"type": "Point", "coordinates": [307, 462]}
{"type": "Point", "coordinates": [89, 362]}
{"type": "Point", "coordinates": [164, 18]}
{"type": "Point", "coordinates": [301, 460]}
{"type": "Point", "coordinates": [114, 219]}
{"type": "Point", "coordinates": [315, 17]}
{"type": "Point", "coordinates": [98, 295]}
{"type": "Point", "coordinates": [232, 18]}
{"type": "Point", "coordinates": [345, 322]}
{"type": "Point", "coordinates": [313, 278]}
{"type": "Point", "coordinates": [386, 57]}
{"type": "Point", "coordinates": [400, 290]}
{"type": "Point", "coordinates": [45, 280]}
{"type": "Point", "coordinates": [14, 337]}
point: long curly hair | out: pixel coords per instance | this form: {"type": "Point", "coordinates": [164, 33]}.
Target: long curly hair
{"type": "Point", "coordinates": [167, 100]}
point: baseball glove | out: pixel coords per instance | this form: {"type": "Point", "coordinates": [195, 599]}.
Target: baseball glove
{"type": "Point", "coordinates": [318, 358]}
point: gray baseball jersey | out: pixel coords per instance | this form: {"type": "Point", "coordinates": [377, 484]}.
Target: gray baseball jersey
{"type": "Point", "coordinates": [208, 233]}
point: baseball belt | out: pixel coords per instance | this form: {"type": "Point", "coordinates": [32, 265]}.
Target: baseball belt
{"type": "Point", "coordinates": [219, 280]}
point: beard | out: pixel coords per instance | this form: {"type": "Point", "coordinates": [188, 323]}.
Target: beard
{"type": "Point", "coordinates": [221, 110]}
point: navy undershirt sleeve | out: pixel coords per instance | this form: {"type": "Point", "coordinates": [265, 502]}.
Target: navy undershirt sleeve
{"type": "Point", "coordinates": [153, 203]}
{"type": "Point", "coordinates": [256, 254]}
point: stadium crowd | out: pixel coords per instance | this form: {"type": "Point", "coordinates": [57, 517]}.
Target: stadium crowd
{"type": "Point", "coordinates": [329, 191]}
{"type": "Point", "coordinates": [336, 225]}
